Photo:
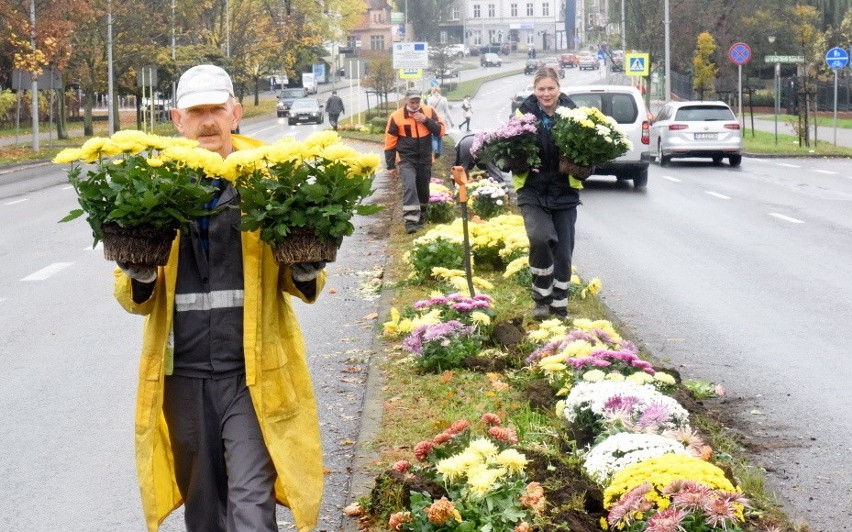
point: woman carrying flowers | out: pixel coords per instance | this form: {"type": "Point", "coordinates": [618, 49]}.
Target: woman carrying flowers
{"type": "Point", "coordinates": [548, 201]}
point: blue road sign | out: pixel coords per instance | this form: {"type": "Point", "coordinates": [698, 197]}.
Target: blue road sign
{"type": "Point", "coordinates": [739, 53]}
{"type": "Point", "coordinates": [837, 58]}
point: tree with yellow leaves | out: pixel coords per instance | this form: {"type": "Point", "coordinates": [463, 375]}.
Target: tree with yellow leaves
{"type": "Point", "coordinates": [703, 68]}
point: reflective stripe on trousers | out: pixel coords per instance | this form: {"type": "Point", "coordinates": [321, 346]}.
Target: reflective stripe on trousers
{"type": "Point", "coordinates": [415, 189]}
{"type": "Point", "coordinates": [551, 236]}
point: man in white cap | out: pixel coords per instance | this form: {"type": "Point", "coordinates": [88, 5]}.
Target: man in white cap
{"type": "Point", "coordinates": [226, 419]}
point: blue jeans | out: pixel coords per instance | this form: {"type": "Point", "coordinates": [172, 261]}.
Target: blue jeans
{"type": "Point", "coordinates": [436, 145]}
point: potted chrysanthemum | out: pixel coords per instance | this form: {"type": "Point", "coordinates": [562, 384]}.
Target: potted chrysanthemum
{"type": "Point", "coordinates": [512, 146]}
{"type": "Point", "coordinates": [302, 196]}
{"type": "Point", "coordinates": [137, 190]}
{"type": "Point", "coordinates": [586, 137]}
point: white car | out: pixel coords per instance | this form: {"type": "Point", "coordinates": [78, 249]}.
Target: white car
{"type": "Point", "coordinates": [697, 129]}
{"type": "Point", "coordinates": [490, 59]}
{"type": "Point", "coordinates": [625, 104]}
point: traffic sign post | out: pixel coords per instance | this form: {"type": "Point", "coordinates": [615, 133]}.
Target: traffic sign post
{"type": "Point", "coordinates": [740, 54]}
{"type": "Point", "coordinates": [836, 58]}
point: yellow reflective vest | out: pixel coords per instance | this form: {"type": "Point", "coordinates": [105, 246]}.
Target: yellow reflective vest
{"type": "Point", "coordinates": [276, 374]}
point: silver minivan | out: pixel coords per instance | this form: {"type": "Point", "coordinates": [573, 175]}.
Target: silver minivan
{"type": "Point", "coordinates": [624, 104]}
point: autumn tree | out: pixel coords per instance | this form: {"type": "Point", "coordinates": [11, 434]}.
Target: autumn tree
{"type": "Point", "coordinates": [380, 77]}
{"type": "Point", "coordinates": [703, 68]}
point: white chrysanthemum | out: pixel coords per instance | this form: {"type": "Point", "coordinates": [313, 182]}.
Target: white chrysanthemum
{"type": "Point", "coordinates": [594, 395]}
{"type": "Point", "coordinates": [623, 449]}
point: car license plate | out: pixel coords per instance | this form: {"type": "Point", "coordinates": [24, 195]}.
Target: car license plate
{"type": "Point", "coordinates": [705, 136]}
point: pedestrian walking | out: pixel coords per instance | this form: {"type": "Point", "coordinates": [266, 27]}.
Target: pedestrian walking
{"type": "Point", "coordinates": [334, 108]}
{"type": "Point", "coordinates": [548, 201]}
{"type": "Point", "coordinates": [408, 139]}
{"type": "Point", "coordinates": [226, 420]}
{"type": "Point", "coordinates": [440, 104]}
{"type": "Point", "coordinates": [467, 113]}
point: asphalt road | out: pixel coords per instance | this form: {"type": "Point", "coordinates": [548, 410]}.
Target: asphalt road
{"type": "Point", "coordinates": [738, 276]}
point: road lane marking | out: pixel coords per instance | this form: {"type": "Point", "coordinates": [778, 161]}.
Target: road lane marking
{"type": "Point", "coordinates": [46, 272]}
{"type": "Point", "coordinates": [826, 172]}
{"type": "Point", "coordinates": [68, 187]}
{"type": "Point", "coordinates": [17, 201]}
{"type": "Point", "coordinates": [717, 195]}
{"type": "Point", "coordinates": [670, 178]}
{"type": "Point", "coordinates": [786, 218]}
{"type": "Point", "coordinates": [789, 165]}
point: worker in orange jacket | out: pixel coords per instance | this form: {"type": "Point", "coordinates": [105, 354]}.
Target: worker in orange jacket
{"type": "Point", "coordinates": [408, 154]}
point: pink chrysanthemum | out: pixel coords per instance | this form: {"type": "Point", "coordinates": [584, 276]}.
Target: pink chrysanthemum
{"type": "Point", "coordinates": [492, 420]}
{"type": "Point", "coordinates": [719, 512]}
{"type": "Point", "coordinates": [458, 426]}
{"type": "Point", "coordinates": [422, 450]}
{"type": "Point", "coordinates": [503, 434]}
{"type": "Point", "coordinates": [667, 520]}
{"type": "Point", "coordinates": [402, 466]}
{"type": "Point", "coordinates": [442, 438]}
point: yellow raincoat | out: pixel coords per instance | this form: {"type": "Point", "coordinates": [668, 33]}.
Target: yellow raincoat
{"type": "Point", "coordinates": [276, 374]}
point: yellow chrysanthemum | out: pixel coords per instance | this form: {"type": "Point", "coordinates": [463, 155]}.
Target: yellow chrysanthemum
{"type": "Point", "coordinates": [483, 481]}
{"type": "Point", "coordinates": [512, 460]}
{"type": "Point", "coordinates": [452, 468]}
{"type": "Point", "coordinates": [640, 377]}
{"type": "Point", "coordinates": [154, 162]}
{"type": "Point", "coordinates": [91, 149]}
{"type": "Point", "coordinates": [483, 447]}
{"type": "Point", "coordinates": [68, 155]}
{"type": "Point", "coordinates": [664, 378]}
{"type": "Point", "coordinates": [595, 285]}
{"type": "Point", "coordinates": [339, 152]}
{"type": "Point", "coordinates": [594, 375]}
{"type": "Point", "coordinates": [322, 139]}
{"type": "Point", "coordinates": [480, 318]}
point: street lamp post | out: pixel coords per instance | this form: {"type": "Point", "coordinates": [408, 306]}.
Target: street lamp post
{"type": "Point", "coordinates": [34, 85]}
{"type": "Point", "coordinates": [110, 80]}
{"type": "Point", "coordinates": [668, 65]}
{"type": "Point", "coordinates": [623, 29]}
{"type": "Point", "coordinates": [775, 78]}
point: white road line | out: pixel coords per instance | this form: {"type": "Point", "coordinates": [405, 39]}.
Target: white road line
{"type": "Point", "coordinates": [17, 201]}
{"type": "Point", "coordinates": [826, 172]}
{"type": "Point", "coordinates": [789, 165]}
{"type": "Point", "coordinates": [44, 273]}
{"type": "Point", "coordinates": [670, 178]}
{"type": "Point", "coordinates": [716, 194]}
{"type": "Point", "coordinates": [2, 299]}
{"type": "Point", "coordinates": [67, 188]}
{"type": "Point", "coordinates": [786, 218]}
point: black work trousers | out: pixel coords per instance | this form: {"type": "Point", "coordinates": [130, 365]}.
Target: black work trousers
{"type": "Point", "coordinates": [223, 468]}
{"type": "Point", "coordinates": [551, 236]}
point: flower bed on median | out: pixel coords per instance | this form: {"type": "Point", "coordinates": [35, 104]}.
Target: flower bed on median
{"type": "Point", "coordinates": [642, 467]}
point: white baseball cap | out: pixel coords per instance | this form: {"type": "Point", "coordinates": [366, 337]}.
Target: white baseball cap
{"type": "Point", "coordinates": [204, 85]}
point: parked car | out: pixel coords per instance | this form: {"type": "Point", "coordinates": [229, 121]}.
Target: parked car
{"type": "Point", "coordinates": [306, 110]}
{"type": "Point", "coordinates": [458, 50]}
{"type": "Point", "coordinates": [625, 105]}
{"type": "Point", "coordinates": [531, 66]}
{"type": "Point", "coordinates": [587, 61]}
{"type": "Point", "coordinates": [569, 60]}
{"type": "Point", "coordinates": [287, 97]}
{"type": "Point", "coordinates": [519, 97]}
{"type": "Point", "coordinates": [697, 129]}
{"type": "Point", "coordinates": [445, 72]}
{"type": "Point", "coordinates": [490, 59]}
{"type": "Point", "coordinates": [555, 65]}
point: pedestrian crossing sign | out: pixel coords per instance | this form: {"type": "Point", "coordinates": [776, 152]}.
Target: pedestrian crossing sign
{"type": "Point", "coordinates": [637, 64]}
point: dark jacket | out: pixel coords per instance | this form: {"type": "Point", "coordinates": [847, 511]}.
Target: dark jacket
{"type": "Point", "coordinates": [547, 187]}
{"type": "Point", "coordinates": [334, 105]}
{"type": "Point", "coordinates": [410, 139]}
